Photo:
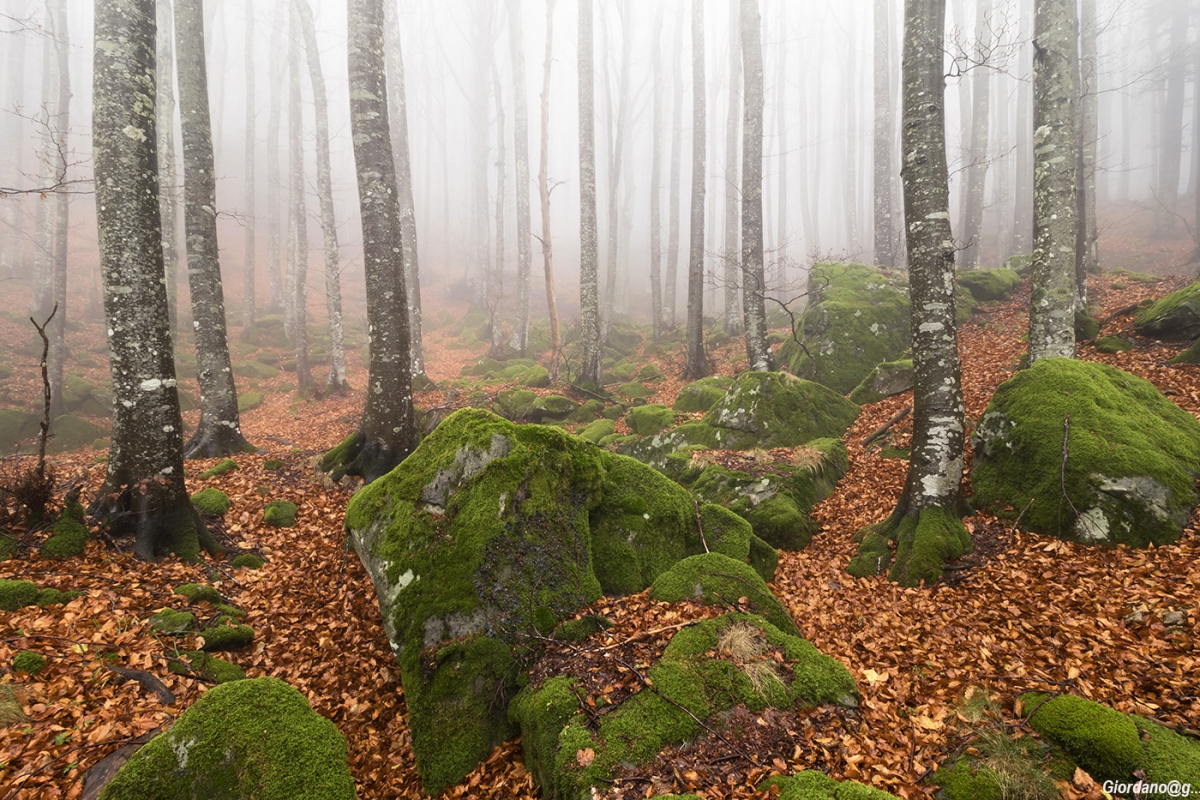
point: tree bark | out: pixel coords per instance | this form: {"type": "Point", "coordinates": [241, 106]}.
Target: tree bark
{"type": "Point", "coordinates": [143, 492]}
{"type": "Point", "coordinates": [248, 289]}
{"type": "Point", "coordinates": [496, 279]}
{"type": "Point", "coordinates": [925, 523]}
{"type": "Point", "coordinates": [732, 250]}
{"type": "Point", "coordinates": [335, 381]}
{"type": "Point", "coordinates": [1022, 241]}
{"type": "Point", "coordinates": [11, 252]}
{"type": "Point", "coordinates": [168, 172]}
{"type": "Point", "coordinates": [589, 283]}
{"type": "Point", "coordinates": [544, 194]}
{"type": "Point", "coordinates": [884, 138]}
{"type": "Point", "coordinates": [656, 299]}
{"type": "Point", "coordinates": [477, 275]}
{"type": "Point", "coordinates": [516, 45]}
{"type": "Point", "coordinates": [697, 365]}
{"type": "Point", "coordinates": [672, 277]}
{"type": "Point", "coordinates": [60, 35]}
{"type": "Point", "coordinates": [758, 353]}
{"type": "Point", "coordinates": [296, 285]}
{"type": "Point", "coordinates": [977, 152]}
{"type": "Point", "coordinates": [219, 432]}
{"type": "Point", "coordinates": [388, 431]}
{"type": "Point", "coordinates": [42, 300]}
{"type": "Point", "coordinates": [274, 180]}
{"type": "Point", "coordinates": [398, 108]}
{"type": "Point", "coordinates": [1055, 71]}
{"type": "Point", "coordinates": [1170, 131]}
{"type": "Point", "coordinates": [1087, 254]}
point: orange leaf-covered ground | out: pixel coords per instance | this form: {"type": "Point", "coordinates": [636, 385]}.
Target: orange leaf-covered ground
{"type": "Point", "coordinates": [1025, 610]}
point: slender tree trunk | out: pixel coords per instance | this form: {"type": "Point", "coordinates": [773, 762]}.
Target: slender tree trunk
{"type": "Point", "coordinates": [388, 431]}
{"type": "Point", "coordinates": [807, 213]}
{"type": "Point", "coordinates": [1055, 94]}
{"type": "Point", "coordinates": [335, 381]}
{"type": "Point", "coordinates": [274, 179]}
{"type": "Point", "coordinates": [656, 299]}
{"type": "Point", "coordinates": [758, 353]}
{"type": "Point", "coordinates": [544, 194]}
{"type": "Point", "coordinates": [168, 173]}
{"type": "Point", "coordinates": [297, 274]}
{"type": "Point", "coordinates": [11, 253]}
{"type": "Point", "coordinates": [60, 35]}
{"type": "Point", "coordinates": [850, 181]}
{"type": "Point", "coordinates": [496, 290]}
{"type": "Point", "coordinates": [143, 492]}
{"type": "Point", "coordinates": [925, 524]}
{"type": "Point", "coordinates": [697, 364]}
{"type": "Point", "coordinates": [398, 108]}
{"type": "Point", "coordinates": [977, 158]}
{"type": "Point", "coordinates": [1089, 132]}
{"type": "Point", "coordinates": [248, 289]}
{"type": "Point", "coordinates": [516, 45]}
{"type": "Point", "coordinates": [1022, 241]}
{"type": "Point", "coordinates": [477, 276]}
{"type": "Point", "coordinates": [884, 135]}
{"type": "Point", "coordinates": [781, 180]}
{"type": "Point", "coordinates": [42, 300]}
{"type": "Point", "coordinates": [615, 168]}
{"type": "Point", "coordinates": [672, 278]}
{"type": "Point", "coordinates": [589, 288]}
{"type": "Point", "coordinates": [1170, 132]}
{"type": "Point", "coordinates": [219, 432]}
{"type": "Point", "coordinates": [732, 250]}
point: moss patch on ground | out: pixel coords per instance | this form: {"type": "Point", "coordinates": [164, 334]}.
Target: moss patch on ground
{"type": "Point", "coordinates": [701, 395]}
{"type": "Point", "coordinates": [924, 542]}
{"type": "Point", "coordinates": [15, 595]}
{"type": "Point", "coordinates": [246, 738]}
{"type": "Point", "coordinates": [67, 539]}
{"type": "Point", "coordinates": [774, 409]}
{"type": "Point", "coordinates": [280, 514]}
{"type": "Point", "coordinates": [198, 592]}
{"type": "Point", "coordinates": [220, 468]}
{"type": "Point", "coordinates": [986, 285]}
{"type": "Point", "coordinates": [211, 501]}
{"type": "Point", "coordinates": [810, 784]}
{"type": "Point", "coordinates": [1132, 455]}
{"type": "Point", "coordinates": [28, 661]}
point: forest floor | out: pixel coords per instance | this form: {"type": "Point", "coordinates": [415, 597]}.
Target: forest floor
{"type": "Point", "coordinates": [1023, 612]}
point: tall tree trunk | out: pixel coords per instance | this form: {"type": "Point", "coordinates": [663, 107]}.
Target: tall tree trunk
{"type": "Point", "coordinates": [297, 273]}
{"type": "Point", "coordinates": [398, 108]}
{"type": "Point", "coordinates": [336, 379]}
{"type": "Point", "coordinates": [925, 525]}
{"type": "Point", "coordinates": [672, 277]}
{"type": "Point", "coordinates": [168, 173]}
{"type": "Point", "coordinates": [1055, 94]}
{"type": "Point", "coordinates": [1087, 254]}
{"type": "Point", "coordinates": [977, 154]}
{"type": "Point", "coordinates": [219, 432]}
{"type": "Point", "coordinates": [496, 290]}
{"type": "Point", "coordinates": [884, 137]}
{"type": "Point", "coordinates": [697, 365]}
{"type": "Point", "coordinates": [1022, 241]}
{"type": "Point", "coordinates": [60, 35]}
{"type": "Point", "coordinates": [758, 353]}
{"type": "Point", "coordinates": [615, 168]}
{"type": "Point", "coordinates": [388, 432]}
{"type": "Point", "coordinates": [274, 179]}
{"type": "Point", "coordinates": [11, 251]}
{"type": "Point", "coordinates": [477, 275]}
{"type": "Point", "coordinates": [656, 300]}
{"type": "Point", "coordinates": [781, 180]}
{"type": "Point", "coordinates": [544, 194]}
{"type": "Point", "coordinates": [850, 181]}
{"type": "Point", "coordinates": [732, 249]}
{"type": "Point", "coordinates": [1170, 131]}
{"type": "Point", "coordinates": [248, 290]}
{"type": "Point", "coordinates": [42, 300]}
{"type": "Point", "coordinates": [589, 284]}
{"type": "Point", "coordinates": [143, 492]}
{"type": "Point", "coordinates": [516, 46]}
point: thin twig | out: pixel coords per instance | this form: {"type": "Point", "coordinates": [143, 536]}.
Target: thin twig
{"type": "Point", "coordinates": [885, 427]}
{"type": "Point", "coordinates": [700, 525]}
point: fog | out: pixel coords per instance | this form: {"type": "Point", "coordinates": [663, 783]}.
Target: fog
{"type": "Point", "coordinates": [819, 149]}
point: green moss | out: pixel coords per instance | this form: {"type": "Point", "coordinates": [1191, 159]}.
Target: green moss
{"type": "Point", "coordinates": [717, 578]}
{"type": "Point", "coordinates": [777, 520]}
{"type": "Point", "coordinates": [211, 501]}
{"type": "Point", "coordinates": [773, 409]}
{"type": "Point", "coordinates": [613, 412]}
{"type": "Point", "coordinates": [67, 540]}
{"type": "Point", "coordinates": [598, 430]}
{"type": "Point", "coordinates": [925, 541]}
{"type": "Point", "coordinates": [217, 670]}
{"type": "Point", "coordinates": [515, 404]}
{"type": "Point", "coordinates": [650, 419]}
{"type": "Point", "coordinates": [15, 595]}
{"type": "Point", "coordinates": [220, 468]}
{"type": "Point", "coordinates": [587, 412]}
{"type": "Point", "coordinates": [1133, 456]}
{"type": "Point", "coordinates": [701, 395]}
{"type": "Point", "coordinates": [230, 612]}
{"type": "Point", "coordinates": [553, 406]}
{"type": "Point", "coordinates": [1112, 344]}
{"type": "Point", "coordinates": [16, 427]}
{"type": "Point", "coordinates": [227, 637]}
{"type": "Point", "coordinates": [272, 464]}
{"type": "Point", "coordinates": [54, 597]}
{"type": "Point", "coordinates": [28, 661]}
{"type": "Point", "coordinates": [69, 432]}
{"type": "Point", "coordinates": [1176, 317]}
{"type": "Point", "coordinates": [248, 401]}
{"type": "Point", "coordinates": [1087, 327]}
{"type": "Point", "coordinates": [198, 593]}
{"type": "Point", "coordinates": [814, 785]}
{"type": "Point", "coordinates": [883, 381]}
{"type": "Point", "coordinates": [171, 621]}
{"type": "Point", "coordinates": [10, 709]}
{"type": "Point", "coordinates": [254, 370]}
{"type": "Point", "coordinates": [536, 376]}
{"type": "Point", "coordinates": [989, 284]}
{"type": "Point", "coordinates": [247, 738]}
{"type": "Point", "coordinates": [247, 561]}
{"type": "Point", "coordinates": [280, 514]}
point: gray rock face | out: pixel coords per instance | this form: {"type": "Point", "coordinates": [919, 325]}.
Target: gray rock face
{"type": "Point", "coordinates": [1176, 317]}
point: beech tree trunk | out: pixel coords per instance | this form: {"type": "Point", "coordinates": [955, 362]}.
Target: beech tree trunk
{"type": "Point", "coordinates": [388, 430]}
{"type": "Point", "coordinates": [697, 365]}
{"type": "Point", "coordinates": [616, 159]}
{"type": "Point", "coordinates": [589, 284]}
{"type": "Point", "coordinates": [977, 153]}
{"type": "Point", "coordinates": [168, 172]}
{"type": "Point", "coordinates": [42, 299]}
{"type": "Point", "coordinates": [758, 353]}
{"type": "Point", "coordinates": [732, 250]}
{"type": "Point", "coordinates": [477, 275]}
{"type": "Point", "coordinates": [544, 194]}
{"type": "Point", "coordinates": [672, 277]}
{"type": "Point", "coordinates": [1055, 95]}
{"type": "Point", "coordinates": [248, 289]}
{"type": "Point", "coordinates": [274, 180]}
{"type": "Point", "coordinates": [11, 252]}
{"type": "Point", "coordinates": [60, 35]}
{"type": "Point", "coordinates": [496, 279]}
{"type": "Point", "coordinates": [884, 138]}
{"type": "Point", "coordinates": [1170, 130]}
{"type": "Point", "coordinates": [925, 525]}
{"type": "Point", "coordinates": [143, 492]}
{"type": "Point", "coordinates": [516, 46]}
{"type": "Point", "coordinates": [296, 285]}
{"type": "Point", "coordinates": [398, 108]}
{"type": "Point", "coordinates": [656, 299]}
{"type": "Point", "coordinates": [219, 432]}
{"type": "Point", "coordinates": [335, 381]}
{"type": "Point", "coordinates": [1087, 254]}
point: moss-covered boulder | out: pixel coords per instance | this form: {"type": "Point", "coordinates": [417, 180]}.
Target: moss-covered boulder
{"type": "Point", "coordinates": [172, 621]}
{"type": "Point", "coordinates": [774, 409]}
{"type": "Point", "coordinates": [813, 785]}
{"type": "Point", "coordinates": [211, 501]}
{"type": "Point", "coordinates": [1117, 747]}
{"type": "Point", "coordinates": [69, 432]}
{"type": "Point", "coordinates": [246, 561]}
{"type": "Point", "coordinates": [17, 427]}
{"type": "Point", "coordinates": [986, 285]}
{"type": "Point", "coordinates": [80, 396]}
{"type": "Point", "coordinates": [1175, 318]}
{"type": "Point", "coordinates": [707, 668]}
{"type": "Point", "coordinates": [254, 370]}
{"type": "Point", "coordinates": [226, 637]}
{"type": "Point", "coordinates": [885, 380]}
{"type": "Point", "coordinates": [55, 597]}
{"type": "Point", "coordinates": [248, 401]}
{"type": "Point", "coordinates": [242, 739]}
{"type": "Point", "coordinates": [552, 406]}
{"type": "Point", "coordinates": [220, 468]}
{"type": "Point", "coordinates": [1112, 344]}
{"type": "Point", "coordinates": [598, 430]}
{"type": "Point", "coordinates": [199, 593]}
{"type": "Point", "coordinates": [280, 514]}
{"type": "Point", "coordinates": [713, 578]}
{"type": "Point", "coordinates": [1132, 456]}
{"type": "Point", "coordinates": [15, 595]}
{"type": "Point", "coordinates": [536, 376]}
{"type": "Point", "coordinates": [67, 539]}
{"type": "Point", "coordinates": [701, 395]}
{"type": "Point", "coordinates": [489, 531]}
{"type": "Point", "coordinates": [649, 419]}
{"type": "Point", "coordinates": [515, 404]}
{"type": "Point", "coordinates": [217, 670]}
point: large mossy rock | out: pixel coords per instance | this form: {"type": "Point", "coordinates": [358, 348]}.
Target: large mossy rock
{"type": "Point", "coordinates": [1112, 746]}
{"type": "Point", "coordinates": [17, 427]}
{"type": "Point", "coordinates": [1175, 318]}
{"type": "Point", "coordinates": [1132, 456]}
{"type": "Point", "coordinates": [989, 284]}
{"type": "Point", "coordinates": [774, 409]}
{"type": "Point", "coordinates": [70, 432]}
{"type": "Point", "coordinates": [243, 740]}
{"type": "Point", "coordinates": [491, 531]}
{"type": "Point", "coordinates": [702, 395]}
{"type": "Point", "coordinates": [857, 317]}
{"type": "Point", "coordinates": [887, 379]}
{"type": "Point", "coordinates": [702, 674]}
{"type": "Point", "coordinates": [811, 784]}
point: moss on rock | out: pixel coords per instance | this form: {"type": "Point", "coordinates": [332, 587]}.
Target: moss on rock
{"type": "Point", "coordinates": [17, 427]}
{"type": "Point", "coordinates": [810, 784]}
{"type": "Point", "coordinates": [246, 561]}
{"type": "Point", "coordinates": [227, 637]}
{"type": "Point", "coordinates": [247, 738]}
{"type": "Point", "coordinates": [989, 284]}
{"type": "Point", "coordinates": [1113, 344]}
{"type": "Point", "coordinates": [924, 540]}
{"type": "Point", "coordinates": [70, 432]}
{"type": "Point", "coordinates": [715, 578]}
{"type": "Point", "coordinates": [701, 395]}
{"type": "Point", "coordinates": [54, 597]}
{"type": "Point", "coordinates": [198, 592]}
{"type": "Point", "coordinates": [211, 501]}
{"type": "Point", "coordinates": [220, 468]}
{"type": "Point", "coordinates": [649, 419]}
{"type": "Point", "coordinates": [15, 595]}
{"type": "Point", "coordinates": [1132, 455]}
{"type": "Point", "coordinates": [774, 409]}
{"type": "Point", "coordinates": [598, 429]}
{"type": "Point", "coordinates": [892, 377]}
{"type": "Point", "coordinates": [1176, 317]}
{"type": "Point", "coordinates": [217, 670]}
{"type": "Point", "coordinates": [248, 401]}
{"type": "Point", "coordinates": [67, 540]}
{"type": "Point", "coordinates": [280, 514]}
{"type": "Point", "coordinates": [28, 661]}
{"type": "Point", "coordinates": [172, 621]}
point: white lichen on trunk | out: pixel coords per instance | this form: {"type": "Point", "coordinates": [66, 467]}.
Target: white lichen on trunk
{"type": "Point", "coordinates": [589, 283]}
{"type": "Point", "coordinates": [697, 365]}
{"type": "Point", "coordinates": [758, 353]}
